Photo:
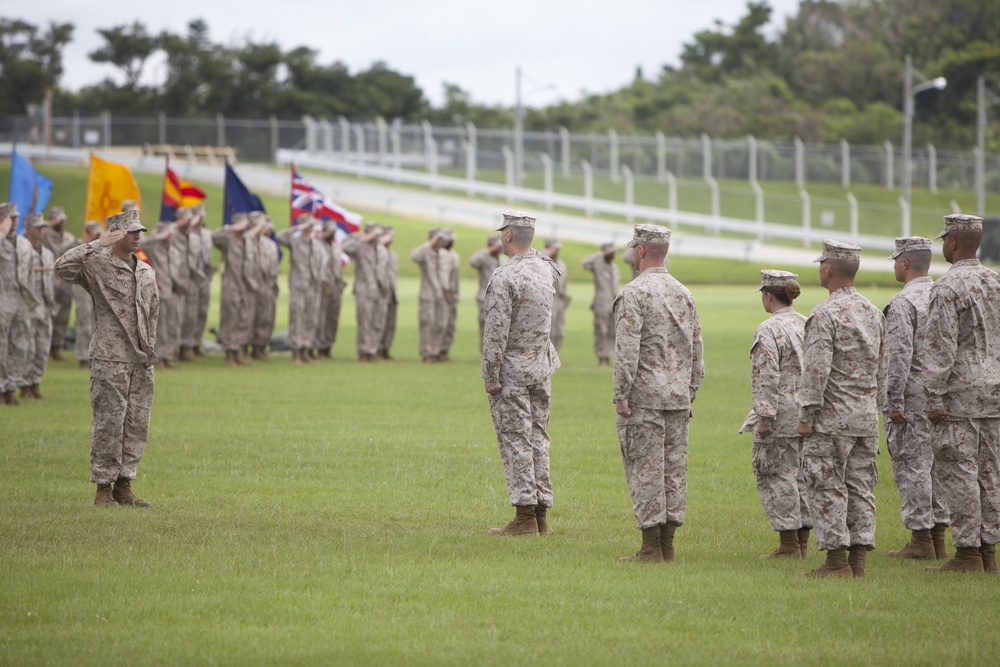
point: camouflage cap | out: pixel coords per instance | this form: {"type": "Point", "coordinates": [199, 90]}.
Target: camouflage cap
{"type": "Point", "coordinates": [909, 243]}
{"type": "Point", "coordinates": [493, 240]}
{"type": "Point", "coordinates": [164, 228]}
{"type": "Point", "coordinates": [93, 227]}
{"type": "Point", "coordinates": [553, 243]}
{"type": "Point", "coordinates": [388, 229]}
{"type": "Point", "coordinates": [836, 250]}
{"type": "Point", "coordinates": [330, 226]}
{"type": "Point", "coordinates": [305, 219]}
{"type": "Point", "coordinates": [433, 232]}
{"type": "Point", "coordinates": [183, 213]}
{"type": "Point", "coordinates": [775, 278]}
{"type": "Point", "coordinates": [12, 209]}
{"type": "Point", "coordinates": [130, 205]}
{"type": "Point", "coordinates": [516, 219]}
{"type": "Point", "coordinates": [198, 209]}
{"type": "Point", "coordinates": [606, 247]}
{"type": "Point", "coordinates": [127, 220]}
{"type": "Point", "coordinates": [36, 220]}
{"type": "Point", "coordinates": [239, 222]}
{"type": "Point", "coordinates": [256, 218]}
{"type": "Point", "coordinates": [648, 234]}
{"type": "Point", "coordinates": [5, 209]}
{"type": "Point", "coordinates": [57, 213]}
{"type": "Point", "coordinates": [960, 222]}
{"type": "Point", "coordinates": [373, 228]}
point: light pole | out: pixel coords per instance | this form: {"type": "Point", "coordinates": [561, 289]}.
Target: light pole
{"type": "Point", "coordinates": [983, 95]}
{"type": "Point", "coordinates": [909, 92]}
{"type": "Point", "coordinates": [519, 125]}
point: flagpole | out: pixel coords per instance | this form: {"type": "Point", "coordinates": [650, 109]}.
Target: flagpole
{"type": "Point", "coordinates": [291, 196]}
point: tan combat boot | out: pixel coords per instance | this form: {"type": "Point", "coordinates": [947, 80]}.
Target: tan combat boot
{"type": "Point", "coordinates": [937, 537]}
{"type": "Point", "coordinates": [56, 355]}
{"type": "Point", "coordinates": [84, 363]}
{"type": "Point", "coordinates": [104, 497]}
{"type": "Point", "coordinates": [524, 523]}
{"type": "Point", "coordinates": [11, 399]}
{"type": "Point", "coordinates": [264, 356]}
{"type": "Point", "coordinates": [26, 394]}
{"type": "Point", "coordinates": [920, 547]}
{"type": "Point", "coordinates": [803, 535]}
{"type": "Point", "coordinates": [835, 566]}
{"type": "Point", "coordinates": [123, 494]}
{"type": "Point", "coordinates": [243, 356]}
{"type": "Point", "coordinates": [324, 353]}
{"type": "Point", "coordinates": [856, 559]}
{"type": "Point", "coordinates": [187, 353]}
{"type": "Point", "coordinates": [667, 541]}
{"type": "Point", "coordinates": [788, 547]}
{"type": "Point", "coordinates": [36, 392]}
{"type": "Point", "coordinates": [540, 519]}
{"type": "Point", "coordinates": [650, 551]}
{"type": "Point", "coordinates": [989, 554]}
{"type": "Point", "coordinates": [967, 559]}
{"type": "Point", "coordinates": [230, 361]}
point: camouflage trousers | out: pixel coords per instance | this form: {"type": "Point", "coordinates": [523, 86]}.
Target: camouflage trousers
{"type": "Point", "coordinates": [16, 347]}
{"type": "Point", "coordinates": [482, 322]}
{"type": "Point", "coordinates": [204, 292]}
{"type": "Point", "coordinates": [121, 398]}
{"type": "Point", "coordinates": [63, 293]}
{"type": "Point", "coordinates": [450, 322]}
{"type": "Point", "coordinates": [235, 318]}
{"type": "Point", "coordinates": [840, 477]}
{"type": "Point", "coordinates": [777, 468]}
{"type": "Point", "coordinates": [264, 315]}
{"type": "Point", "coordinates": [329, 318]}
{"type": "Point", "coordinates": [168, 328]}
{"type": "Point", "coordinates": [41, 341]}
{"type": "Point", "coordinates": [604, 334]}
{"type": "Point", "coordinates": [371, 322]}
{"type": "Point", "coordinates": [84, 323]}
{"type": "Point", "coordinates": [558, 331]}
{"type": "Point", "coordinates": [520, 419]}
{"type": "Point", "coordinates": [189, 316]}
{"type": "Point", "coordinates": [965, 454]}
{"type": "Point", "coordinates": [389, 334]}
{"type": "Point", "coordinates": [654, 445]}
{"type": "Point", "coordinates": [303, 317]}
{"type": "Point", "coordinates": [432, 318]}
{"type": "Point", "coordinates": [916, 475]}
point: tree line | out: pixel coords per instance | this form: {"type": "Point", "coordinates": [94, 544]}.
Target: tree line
{"type": "Point", "coordinates": [833, 70]}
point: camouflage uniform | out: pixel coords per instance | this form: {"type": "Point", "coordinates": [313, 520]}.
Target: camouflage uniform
{"type": "Point", "coordinates": [392, 302]}
{"type": "Point", "coordinates": [910, 443]}
{"type": "Point", "coordinates": [43, 289]}
{"type": "Point", "coordinates": [239, 287]}
{"type": "Point", "coordinates": [84, 323]}
{"type": "Point", "coordinates": [304, 275]}
{"type": "Point", "coordinates": [845, 357]}
{"type": "Point", "coordinates": [167, 266]}
{"type": "Point", "coordinates": [485, 264]}
{"type": "Point", "coordinates": [122, 353]}
{"type": "Point", "coordinates": [371, 289]}
{"type": "Point", "coordinates": [560, 302]}
{"type": "Point", "coordinates": [17, 301]}
{"type": "Point", "coordinates": [433, 309]}
{"type": "Point", "coordinates": [775, 370]}
{"type": "Point", "coordinates": [267, 292]}
{"type": "Point", "coordinates": [606, 279]}
{"type": "Point", "coordinates": [962, 374]}
{"type": "Point", "coordinates": [331, 299]}
{"type": "Point", "coordinates": [185, 244]}
{"type": "Point", "coordinates": [204, 289]}
{"type": "Point", "coordinates": [658, 369]}
{"type": "Point", "coordinates": [517, 354]}
{"type": "Point", "coordinates": [58, 242]}
{"type": "Point", "coordinates": [450, 264]}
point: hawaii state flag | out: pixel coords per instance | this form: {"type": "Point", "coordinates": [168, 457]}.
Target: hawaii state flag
{"type": "Point", "coordinates": [177, 194]}
{"type": "Point", "coordinates": [307, 199]}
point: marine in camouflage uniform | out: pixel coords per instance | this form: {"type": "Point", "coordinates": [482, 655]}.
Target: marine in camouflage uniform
{"type": "Point", "coordinates": [58, 241]}
{"type": "Point", "coordinates": [371, 288]}
{"type": "Point", "coordinates": [331, 291]}
{"type": "Point", "coordinates": [304, 275]}
{"type": "Point", "coordinates": [658, 369]}
{"type": "Point", "coordinates": [450, 264]}
{"type": "Point", "coordinates": [122, 355]}
{"type": "Point", "coordinates": [83, 306]}
{"type": "Point", "coordinates": [167, 266]}
{"type": "Point", "coordinates": [518, 363]}
{"type": "Point", "coordinates": [485, 261]}
{"type": "Point", "coordinates": [627, 261]}
{"type": "Point", "coordinates": [239, 285]}
{"type": "Point", "coordinates": [775, 370]}
{"type": "Point", "coordinates": [606, 279]}
{"type": "Point", "coordinates": [41, 285]}
{"type": "Point", "coordinates": [962, 390]}
{"type": "Point", "coordinates": [562, 299]}
{"type": "Point", "coordinates": [267, 291]}
{"type": "Point", "coordinates": [432, 313]}
{"type": "Point", "coordinates": [845, 362]}
{"type": "Point", "coordinates": [907, 430]}
{"type": "Point", "coordinates": [185, 243]}
{"type": "Point", "coordinates": [16, 303]}
{"type": "Point", "coordinates": [392, 301]}
{"type": "Point", "coordinates": [204, 288]}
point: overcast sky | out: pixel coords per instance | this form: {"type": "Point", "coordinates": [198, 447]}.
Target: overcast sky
{"type": "Point", "coordinates": [564, 47]}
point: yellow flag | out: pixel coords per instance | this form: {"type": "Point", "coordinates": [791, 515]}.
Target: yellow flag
{"type": "Point", "coordinates": [110, 184]}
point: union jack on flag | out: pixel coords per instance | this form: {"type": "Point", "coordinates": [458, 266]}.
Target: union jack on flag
{"type": "Point", "coordinates": [307, 199]}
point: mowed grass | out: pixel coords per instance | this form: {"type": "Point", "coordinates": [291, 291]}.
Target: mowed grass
{"type": "Point", "coordinates": [336, 514]}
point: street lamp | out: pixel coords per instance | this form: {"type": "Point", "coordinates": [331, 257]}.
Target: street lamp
{"type": "Point", "coordinates": [909, 92]}
{"type": "Point", "coordinates": [519, 125]}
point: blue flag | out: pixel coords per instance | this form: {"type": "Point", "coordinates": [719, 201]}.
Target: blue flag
{"type": "Point", "coordinates": [237, 198]}
{"type": "Point", "coordinates": [28, 189]}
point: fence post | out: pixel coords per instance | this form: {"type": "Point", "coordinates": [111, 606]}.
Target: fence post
{"type": "Point", "coordinates": [706, 174]}
{"type": "Point", "coordinates": [310, 126]}
{"type": "Point", "coordinates": [359, 142]}
{"type": "Point", "coordinates": [889, 158]}
{"type": "Point", "coordinates": [806, 216]}
{"type": "Point", "coordinates": [904, 211]}
{"type": "Point", "coordinates": [397, 151]}
{"type": "Point", "coordinates": [76, 129]}
{"type": "Point", "coordinates": [220, 121]}
{"type": "Point", "coordinates": [547, 166]}
{"type": "Point", "coordinates": [345, 136]}
{"type": "Point", "coordinates": [428, 142]}
{"type": "Point", "coordinates": [273, 121]}
{"type": "Point", "coordinates": [800, 163]}
{"type": "Point", "coordinates": [472, 157]}
{"type": "Point", "coordinates": [588, 188]}
{"type": "Point", "coordinates": [508, 168]}
{"type": "Point", "coordinates": [845, 164]}
{"type": "Point", "coordinates": [852, 201]}
{"type": "Point", "coordinates": [672, 196]}
{"type": "Point", "coordinates": [564, 140]}
{"type": "Point", "coordinates": [382, 141]}
{"type": "Point", "coordinates": [614, 167]}
{"type": "Point", "coordinates": [326, 127]}
{"type": "Point", "coordinates": [106, 116]}
{"type": "Point", "coordinates": [629, 193]}
{"type": "Point", "coordinates": [470, 166]}
{"type": "Point", "coordinates": [661, 157]}
{"type": "Point", "coordinates": [932, 168]}
{"type": "Point", "coordinates": [162, 122]}
{"type": "Point", "coordinates": [752, 158]}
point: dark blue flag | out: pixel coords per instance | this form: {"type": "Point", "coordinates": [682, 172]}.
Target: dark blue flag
{"type": "Point", "coordinates": [29, 189]}
{"type": "Point", "coordinates": [238, 198]}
